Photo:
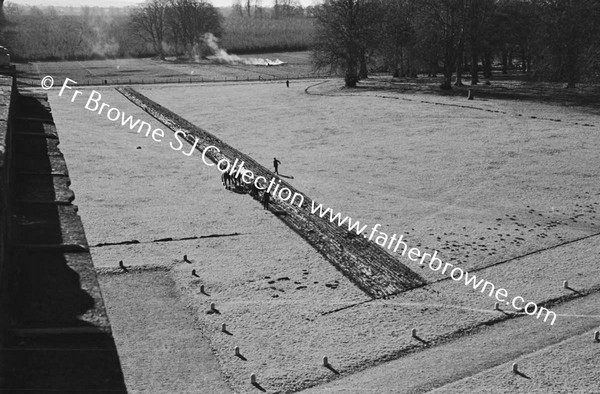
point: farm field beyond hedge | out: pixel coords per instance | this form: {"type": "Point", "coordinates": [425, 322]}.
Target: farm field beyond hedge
{"type": "Point", "coordinates": [151, 71]}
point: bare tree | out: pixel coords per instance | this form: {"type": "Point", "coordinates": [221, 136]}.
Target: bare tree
{"type": "Point", "coordinates": [345, 33]}
{"type": "Point", "coordinates": [398, 36]}
{"type": "Point", "coordinates": [444, 20]}
{"type": "Point", "coordinates": [150, 22]}
{"type": "Point", "coordinates": [287, 9]}
{"type": "Point", "coordinates": [191, 19]}
{"type": "Point", "coordinates": [568, 29]}
{"type": "Point", "coordinates": [2, 16]}
{"type": "Point", "coordinates": [237, 8]}
{"type": "Point", "coordinates": [258, 9]}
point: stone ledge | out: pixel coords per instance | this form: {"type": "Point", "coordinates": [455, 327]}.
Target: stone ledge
{"type": "Point", "coordinates": [48, 224]}
{"type": "Point", "coordinates": [56, 335]}
{"type": "Point", "coordinates": [57, 291]}
{"type": "Point", "coordinates": [63, 364]}
{"type": "Point", "coordinates": [44, 188]}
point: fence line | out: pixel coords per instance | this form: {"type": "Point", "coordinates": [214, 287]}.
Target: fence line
{"type": "Point", "coordinates": [153, 81]}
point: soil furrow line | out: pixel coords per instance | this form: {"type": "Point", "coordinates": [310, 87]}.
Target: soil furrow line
{"type": "Point", "coordinates": [369, 267]}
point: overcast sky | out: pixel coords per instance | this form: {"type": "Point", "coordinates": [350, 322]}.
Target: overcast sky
{"type": "Point", "coordinates": [122, 3]}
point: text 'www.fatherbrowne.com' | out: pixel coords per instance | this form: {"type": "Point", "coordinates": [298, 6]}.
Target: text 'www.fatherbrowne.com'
{"type": "Point", "coordinates": [395, 243]}
{"type": "Point", "coordinates": [94, 103]}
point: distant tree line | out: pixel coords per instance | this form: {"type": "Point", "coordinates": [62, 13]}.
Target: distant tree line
{"type": "Point", "coordinates": [155, 28]}
{"type": "Point", "coordinates": [555, 40]}
{"type": "Point", "coordinates": [280, 9]}
{"type": "Point", "coordinates": [35, 33]}
{"type": "Point", "coordinates": [180, 24]}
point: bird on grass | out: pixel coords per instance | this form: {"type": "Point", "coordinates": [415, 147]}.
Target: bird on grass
{"type": "Point", "coordinates": [122, 266]}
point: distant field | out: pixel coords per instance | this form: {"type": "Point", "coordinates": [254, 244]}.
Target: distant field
{"type": "Point", "coordinates": [149, 71]}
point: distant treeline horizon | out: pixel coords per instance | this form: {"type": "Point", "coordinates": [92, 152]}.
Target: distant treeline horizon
{"type": "Point", "coordinates": [47, 33]}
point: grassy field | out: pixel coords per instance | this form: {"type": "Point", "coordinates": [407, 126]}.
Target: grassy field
{"type": "Point", "coordinates": [485, 184]}
{"type": "Point", "coordinates": [151, 71]}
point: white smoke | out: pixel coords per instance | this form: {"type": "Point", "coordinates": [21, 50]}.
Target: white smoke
{"type": "Point", "coordinates": [221, 55]}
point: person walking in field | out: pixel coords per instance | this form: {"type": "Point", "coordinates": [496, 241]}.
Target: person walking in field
{"type": "Point", "coordinates": [276, 164]}
{"type": "Point", "coordinates": [287, 83]}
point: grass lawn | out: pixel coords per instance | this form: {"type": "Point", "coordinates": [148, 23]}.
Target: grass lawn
{"type": "Point", "coordinates": [479, 186]}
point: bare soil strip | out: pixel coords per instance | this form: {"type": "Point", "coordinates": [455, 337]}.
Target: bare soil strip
{"type": "Point", "coordinates": [370, 268]}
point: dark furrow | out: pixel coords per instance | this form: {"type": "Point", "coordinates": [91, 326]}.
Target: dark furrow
{"type": "Point", "coordinates": [373, 270]}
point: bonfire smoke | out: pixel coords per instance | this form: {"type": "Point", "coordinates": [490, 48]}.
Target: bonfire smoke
{"type": "Point", "coordinates": [221, 55]}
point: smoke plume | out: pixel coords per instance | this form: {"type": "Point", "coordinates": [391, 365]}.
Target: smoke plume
{"type": "Point", "coordinates": [221, 55]}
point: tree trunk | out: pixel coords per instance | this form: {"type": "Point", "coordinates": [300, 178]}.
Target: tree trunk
{"type": "Point", "coordinates": [2, 22]}
{"type": "Point", "coordinates": [474, 65]}
{"type": "Point", "coordinates": [572, 75]}
{"type": "Point", "coordinates": [433, 68]}
{"type": "Point", "coordinates": [447, 83]}
{"type": "Point", "coordinates": [363, 72]}
{"type": "Point", "coordinates": [487, 65]}
{"type": "Point", "coordinates": [459, 63]}
{"type": "Point", "coordinates": [504, 62]}
{"type": "Point", "coordinates": [351, 78]}
{"type": "Point", "coordinates": [395, 69]}
{"type": "Point", "coordinates": [402, 72]}
{"type": "Point", "coordinates": [412, 71]}
{"type": "Point", "coordinates": [448, 68]}
{"type": "Point", "coordinates": [459, 66]}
